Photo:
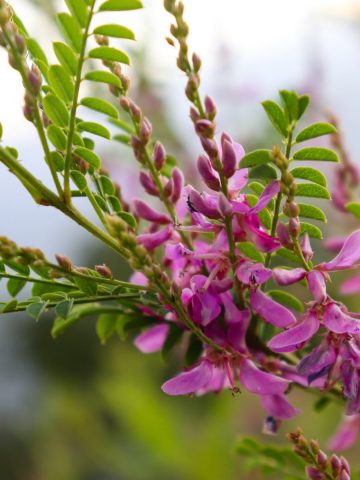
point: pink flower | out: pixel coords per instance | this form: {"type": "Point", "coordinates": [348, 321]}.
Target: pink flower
{"type": "Point", "coordinates": [347, 434]}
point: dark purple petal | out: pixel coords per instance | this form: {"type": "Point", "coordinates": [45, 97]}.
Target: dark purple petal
{"type": "Point", "coordinates": [153, 339]}
{"type": "Point", "coordinates": [339, 322]}
{"type": "Point", "coordinates": [271, 311]}
{"type": "Point", "coordinates": [283, 276]}
{"type": "Point", "coordinates": [190, 381]}
{"type": "Point", "coordinates": [278, 406]}
{"type": "Point", "coordinates": [317, 286]}
{"type": "Point", "coordinates": [348, 255]}
{"type": "Point", "coordinates": [318, 362]}
{"type": "Point", "coordinates": [143, 210]}
{"type": "Point", "coordinates": [295, 337]}
{"type": "Point", "coordinates": [267, 195]}
{"type": "Point", "coordinates": [350, 379]}
{"type": "Point", "coordinates": [259, 382]}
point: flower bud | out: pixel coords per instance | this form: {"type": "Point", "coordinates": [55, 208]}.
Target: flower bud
{"type": "Point", "coordinates": [194, 114]}
{"type": "Point", "coordinates": [138, 149]}
{"type": "Point", "coordinates": [294, 227]}
{"type": "Point", "coordinates": [210, 107]}
{"type": "Point", "coordinates": [35, 79]}
{"type": "Point", "coordinates": [210, 147]}
{"type": "Point", "coordinates": [322, 458]}
{"type": "Point", "coordinates": [205, 128]}
{"type": "Point", "coordinates": [196, 60]}
{"type": "Point", "coordinates": [125, 104]}
{"type": "Point", "coordinates": [148, 184]}
{"type": "Point", "coordinates": [228, 159]}
{"type": "Point", "coordinates": [159, 156]}
{"type": "Point", "coordinates": [314, 474]}
{"type": "Point", "coordinates": [344, 476]}
{"type": "Point", "coordinates": [335, 464]}
{"type": "Point", "coordinates": [5, 14]}
{"type": "Point", "coordinates": [306, 247]}
{"type": "Point", "coordinates": [64, 262]}
{"type": "Point", "coordinates": [291, 209]}
{"type": "Point", "coordinates": [145, 130]}
{"type": "Point", "coordinates": [135, 110]}
{"type": "Point", "coordinates": [101, 40]}
{"type": "Point", "coordinates": [178, 183]}
{"type": "Point", "coordinates": [283, 233]}
{"type": "Point", "coordinates": [224, 205]}
{"type": "Point", "coordinates": [314, 445]}
{"type": "Point", "coordinates": [20, 43]}
{"type": "Point", "coordinates": [169, 187]}
{"type": "Point", "coordinates": [104, 271]}
{"type": "Point", "coordinates": [207, 173]}
{"type": "Point", "coordinates": [143, 210]}
{"type": "Point", "coordinates": [345, 464]}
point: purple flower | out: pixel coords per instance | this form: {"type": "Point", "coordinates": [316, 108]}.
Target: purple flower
{"type": "Point", "coordinates": [153, 339]}
{"type": "Point", "coordinates": [190, 381]}
{"type": "Point", "coordinates": [271, 311]}
{"type": "Point", "coordinates": [347, 434]}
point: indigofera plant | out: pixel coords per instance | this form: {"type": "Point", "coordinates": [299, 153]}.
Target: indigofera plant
{"type": "Point", "coordinates": [211, 268]}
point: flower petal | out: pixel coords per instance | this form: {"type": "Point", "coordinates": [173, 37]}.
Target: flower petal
{"type": "Point", "coordinates": [347, 434]}
{"type": "Point", "coordinates": [278, 406]}
{"type": "Point", "coordinates": [153, 240]}
{"type": "Point", "coordinates": [317, 286]}
{"type": "Point", "coordinates": [190, 381]}
{"type": "Point", "coordinates": [271, 311]}
{"type": "Point", "coordinates": [295, 337]}
{"type": "Point", "coordinates": [348, 255]}
{"type": "Point", "coordinates": [339, 322]}
{"type": "Point", "coordinates": [253, 273]}
{"type": "Point", "coordinates": [282, 276]}
{"type": "Point", "coordinates": [257, 381]}
{"type": "Point", "coordinates": [267, 195]}
{"type": "Point", "coordinates": [351, 285]}
{"type": "Point", "coordinates": [143, 210]}
{"type": "Point", "coordinates": [153, 339]}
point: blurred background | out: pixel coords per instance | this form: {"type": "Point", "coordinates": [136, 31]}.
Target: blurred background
{"type": "Point", "coordinates": [72, 409]}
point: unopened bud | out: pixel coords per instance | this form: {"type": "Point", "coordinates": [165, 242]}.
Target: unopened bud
{"type": "Point", "coordinates": [64, 262]}
{"type": "Point", "coordinates": [148, 184]}
{"type": "Point", "coordinates": [294, 227]}
{"type": "Point", "coordinates": [224, 205]}
{"type": "Point", "coordinates": [194, 114]}
{"type": "Point", "coordinates": [314, 474]}
{"type": "Point", "coordinates": [210, 107]}
{"type": "Point", "coordinates": [322, 458]}
{"type": "Point", "coordinates": [205, 128]}
{"type": "Point", "coordinates": [159, 156]}
{"type": "Point", "coordinates": [178, 183]}
{"type": "Point", "coordinates": [207, 173]}
{"type": "Point", "coordinates": [169, 187]}
{"type": "Point", "coordinates": [228, 159]}
{"type": "Point", "coordinates": [125, 104]}
{"type": "Point", "coordinates": [170, 41]}
{"type": "Point", "coordinates": [101, 40]}
{"type": "Point", "coordinates": [35, 79]}
{"type": "Point", "coordinates": [20, 43]}
{"type": "Point", "coordinates": [104, 271]}
{"type": "Point", "coordinates": [291, 209]}
{"type": "Point", "coordinates": [135, 111]}
{"type": "Point", "coordinates": [335, 464]}
{"type": "Point", "coordinates": [210, 147]}
{"type": "Point", "coordinates": [196, 60]}
{"type": "Point", "coordinates": [5, 14]}
{"type": "Point", "coordinates": [145, 130]}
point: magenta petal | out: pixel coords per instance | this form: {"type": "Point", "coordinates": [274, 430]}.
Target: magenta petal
{"type": "Point", "coordinates": [317, 286]}
{"type": "Point", "coordinates": [351, 285]}
{"type": "Point", "coordinates": [287, 277]}
{"type": "Point", "coordinates": [238, 181]}
{"type": "Point", "coordinates": [348, 255]}
{"type": "Point", "coordinates": [267, 195]}
{"type": "Point", "coordinates": [262, 383]}
{"type": "Point", "coordinates": [347, 434]}
{"type": "Point", "coordinates": [190, 381]}
{"type": "Point", "coordinates": [278, 406]}
{"type": "Point", "coordinates": [143, 210]}
{"type": "Point", "coordinates": [271, 311]}
{"type": "Point", "coordinates": [293, 338]}
{"type": "Point", "coordinates": [153, 339]}
{"type": "Point", "coordinates": [153, 240]}
{"type": "Point", "coordinates": [339, 322]}
{"type": "Point", "coordinates": [253, 273]}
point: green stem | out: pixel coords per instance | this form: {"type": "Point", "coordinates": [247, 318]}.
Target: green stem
{"type": "Point", "coordinates": [299, 253]}
{"type": "Point", "coordinates": [72, 123]}
{"type": "Point", "coordinates": [37, 117]}
{"type": "Point", "coordinates": [35, 280]}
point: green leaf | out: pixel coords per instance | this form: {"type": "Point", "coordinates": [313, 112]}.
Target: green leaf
{"type": "Point", "coordinates": [354, 208]}
{"type": "Point", "coordinates": [277, 116]}
{"type": "Point", "coordinates": [100, 106]}
{"type": "Point", "coordinates": [107, 185]}
{"type": "Point", "coordinates": [61, 82]}
{"type": "Point", "coordinates": [120, 5]}
{"type": "Point", "coordinates": [103, 77]}
{"type": "Point", "coordinates": [312, 190]}
{"type": "Point", "coordinates": [56, 110]}
{"type": "Point", "coordinates": [115, 203]}
{"type": "Point", "coordinates": [66, 57]}
{"type": "Point", "coordinates": [311, 230]}
{"type": "Point", "coordinates": [63, 309]}
{"type": "Point", "coordinates": [58, 160]}
{"type": "Point", "coordinates": [17, 267]}
{"type": "Point", "coordinates": [89, 156]}
{"type": "Point", "coordinates": [173, 337]}
{"type": "Point", "coordinates": [71, 30]}
{"type": "Point", "coordinates": [101, 202]}
{"type": "Point", "coordinates": [10, 306]}
{"type": "Point", "coordinates": [311, 174]}
{"type": "Point", "coordinates": [315, 130]}
{"type": "Point", "coordinates": [79, 179]}
{"type": "Point", "coordinates": [288, 254]}
{"type": "Point", "coordinates": [311, 211]}
{"type": "Point", "coordinates": [128, 218]}
{"type": "Point", "coordinates": [255, 158]}
{"type": "Point", "coordinates": [35, 310]}
{"type": "Point", "coordinates": [94, 128]}
{"type": "Point", "coordinates": [109, 54]}
{"type": "Point", "coordinates": [87, 286]}
{"type": "Point", "coordinates": [115, 31]}
{"type": "Point", "coordinates": [79, 10]}
{"type": "Point", "coordinates": [263, 171]}
{"type": "Point", "coordinates": [78, 312]}
{"type": "Point", "coordinates": [57, 137]}
{"type": "Point", "coordinates": [124, 139]}
{"type": "Point", "coordinates": [249, 250]}
{"type": "Point", "coordinates": [106, 326]}
{"type": "Point", "coordinates": [193, 351]}
{"type": "Point", "coordinates": [286, 299]}
{"type": "Point", "coordinates": [291, 103]}
{"type": "Point", "coordinates": [304, 102]}
{"type": "Point", "coordinates": [15, 285]}
{"type": "Point", "coordinates": [316, 154]}
{"type": "Point", "coordinates": [36, 51]}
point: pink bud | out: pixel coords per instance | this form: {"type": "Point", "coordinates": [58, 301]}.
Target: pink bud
{"type": "Point", "coordinates": [178, 183]}
{"type": "Point", "coordinates": [104, 271]}
{"type": "Point", "coordinates": [210, 147]}
{"type": "Point", "coordinates": [148, 184]}
{"type": "Point", "coordinates": [145, 130]}
{"type": "Point", "coordinates": [344, 476]}
{"type": "Point", "coordinates": [228, 159]}
{"type": "Point", "coordinates": [207, 173]}
{"type": "Point", "coordinates": [283, 234]}
{"type": "Point", "coordinates": [137, 148]}
{"type": "Point", "coordinates": [143, 210]}
{"type": "Point", "coordinates": [345, 464]}
{"type": "Point", "coordinates": [159, 156]}
{"type": "Point", "coordinates": [306, 247]}
{"type": "Point", "coordinates": [169, 187]}
{"type": "Point", "coordinates": [314, 474]}
{"type": "Point", "coordinates": [35, 79]}
{"type": "Point", "coordinates": [135, 110]}
{"type": "Point", "coordinates": [335, 463]}
{"type": "Point", "coordinates": [294, 226]}
{"type": "Point", "coordinates": [210, 107]}
{"type": "Point", "coordinates": [205, 128]}
{"type": "Point", "coordinates": [194, 114]}
{"type": "Point", "coordinates": [64, 262]}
